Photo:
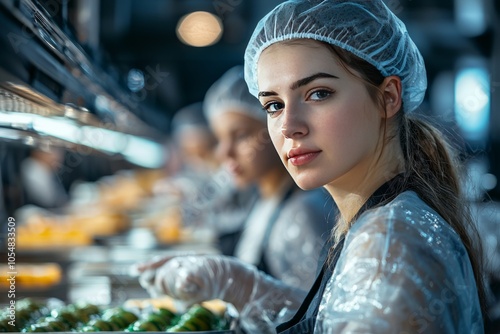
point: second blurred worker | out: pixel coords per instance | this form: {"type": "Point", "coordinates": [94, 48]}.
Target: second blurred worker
{"type": "Point", "coordinates": [286, 224]}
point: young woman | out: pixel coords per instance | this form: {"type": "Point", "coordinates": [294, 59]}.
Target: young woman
{"type": "Point", "coordinates": [339, 81]}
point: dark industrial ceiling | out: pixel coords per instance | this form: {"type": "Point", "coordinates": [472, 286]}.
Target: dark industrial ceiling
{"type": "Point", "coordinates": [142, 35]}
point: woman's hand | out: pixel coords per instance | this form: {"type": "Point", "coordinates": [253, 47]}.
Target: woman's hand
{"type": "Point", "coordinates": [196, 278]}
{"type": "Point", "coordinates": [261, 300]}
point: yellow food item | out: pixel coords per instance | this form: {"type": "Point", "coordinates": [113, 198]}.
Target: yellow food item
{"type": "Point", "coordinates": [123, 193]}
{"type": "Point", "coordinates": [75, 229]}
{"type": "Point", "coordinates": [168, 226]}
{"type": "Point", "coordinates": [50, 236]}
{"type": "Point", "coordinates": [146, 179]}
{"type": "Point", "coordinates": [97, 222]}
{"type": "Point", "coordinates": [31, 275]}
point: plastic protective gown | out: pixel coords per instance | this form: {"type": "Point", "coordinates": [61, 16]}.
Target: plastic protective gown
{"type": "Point", "coordinates": [297, 237]}
{"type": "Point", "coordinates": [403, 269]}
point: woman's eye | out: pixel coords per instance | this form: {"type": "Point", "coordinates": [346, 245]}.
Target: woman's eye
{"type": "Point", "coordinates": [241, 136]}
{"type": "Point", "coordinates": [273, 107]}
{"type": "Point", "coordinates": [320, 95]}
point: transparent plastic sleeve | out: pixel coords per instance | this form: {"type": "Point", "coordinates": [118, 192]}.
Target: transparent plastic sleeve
{"type": "Point", "coordinates": [262, 302]}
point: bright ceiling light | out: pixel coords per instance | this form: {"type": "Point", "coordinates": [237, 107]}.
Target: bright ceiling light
{"type": "Point", "coordinates": [199, 29]}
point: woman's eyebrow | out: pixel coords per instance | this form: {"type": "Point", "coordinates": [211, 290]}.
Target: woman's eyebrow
{"type": "Point", "coordinates": [270, 93]}
{"type": "Point", "coordinates": [311, 78]}
{"type": "Point", "coordinates": [301, 82]}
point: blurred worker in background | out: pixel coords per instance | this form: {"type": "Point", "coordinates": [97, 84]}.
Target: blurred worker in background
{"type": "Point", "coordinates": [190, 152]}
{"type": "Point", "coordinates": [207, 194]}
{"type": "Point", "coordinates": [196, 142]}
{"type": "Point", "coordinates": [41, 179]}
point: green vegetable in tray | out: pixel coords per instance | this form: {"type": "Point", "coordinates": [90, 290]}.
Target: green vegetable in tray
{"type": "Point", "coordinates": [58, 325]}
{"type": "Point", "coordinates": [180, 328]}
{"type": "Point", "coordinates": [153, 322]}
{"type": "Point", "coordinates": [26, 311]}
{"type": "Point", "coordinates": [168, 315]}
{"type": "Point", "coordinates": [197, 318]}
{"type": "Point", "coordinates": [66, 316]}
{"type": "Point", "coordinates": [157, 319]}
{"type": "Point", "coordinates": [143, 326]}
{"type": "Point", "coordinates": [84, 311]}
{"type": "Point", "coordinates": [102, 325]}
{"type": "Point", "coordinates": [43, 327]}
{"type": "Point", "coordinates": [87, 329]}
{"type": "Point", "coordinates": [88, 308]}
{"type": "Point", "coordinates": [23, 316]}
{"type": "Point", "coordinates": [29, 305]}
{"type": "Point", "coordinates": [37, 317]}
{"type": "Point", "coordinates": [117, 321]}
{"type": "Point", "coordinates": [47, 324]}
{"type": "Point", "coordinates": [120, 317]}
{"type": "Point", "coordinates": [6, 327]}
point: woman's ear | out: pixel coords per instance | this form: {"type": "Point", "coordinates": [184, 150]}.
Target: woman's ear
{"type": "Point", "coordinates": [391, 88]}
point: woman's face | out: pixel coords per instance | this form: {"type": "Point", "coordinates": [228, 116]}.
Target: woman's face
{"type": "Point", "coordinates": [321, 120]}
{"type": "Point", "coordinates": [244, 147]}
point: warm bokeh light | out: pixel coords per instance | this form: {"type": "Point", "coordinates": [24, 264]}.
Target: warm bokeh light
{"type": "Point", "coordinates": [199, 29]}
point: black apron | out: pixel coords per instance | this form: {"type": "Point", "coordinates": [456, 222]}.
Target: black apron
{"type": "Point", "coordinates": [304, 320]}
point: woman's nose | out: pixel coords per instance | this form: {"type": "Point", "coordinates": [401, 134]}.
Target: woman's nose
{"type": "Point", "coordinates": [293, 125]}
{"type": "Point", "coordinates": [222, 150]}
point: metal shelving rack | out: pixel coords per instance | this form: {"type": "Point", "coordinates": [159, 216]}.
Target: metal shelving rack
{"type": "Point", "coordinates": [52, 94]}
{"type": "Point", "coordinates": [46, 73]}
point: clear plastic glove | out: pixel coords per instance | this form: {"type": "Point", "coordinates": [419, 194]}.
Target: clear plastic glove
{"type": "Point", "coordinates": [263, 302]}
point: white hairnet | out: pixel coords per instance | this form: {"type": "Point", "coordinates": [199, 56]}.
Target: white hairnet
{"type": "Point", "coordinates": [230, 93]}
{"type": "Point", "coordinates": [366, 28]}
{"type": "Point", "coordinates": [190, 116]}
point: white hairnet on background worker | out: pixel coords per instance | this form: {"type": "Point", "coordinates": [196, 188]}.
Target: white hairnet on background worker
{"type": "Point", "coordinates": [381, 284]}
{"type": "Point", "coordinates": [230, 93]}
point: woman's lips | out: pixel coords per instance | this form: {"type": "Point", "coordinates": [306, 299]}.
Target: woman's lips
{"type": "Point", "coordinates": [234, 168]}
{"type": "Point", "coordinates": [300, 158]}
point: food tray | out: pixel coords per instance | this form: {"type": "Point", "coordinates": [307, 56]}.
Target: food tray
{"type": "Point", "coordinates": [59, 317]}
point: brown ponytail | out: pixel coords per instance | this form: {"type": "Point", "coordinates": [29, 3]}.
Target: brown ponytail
{"type": "Point", "coordinates": [432, 171]}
